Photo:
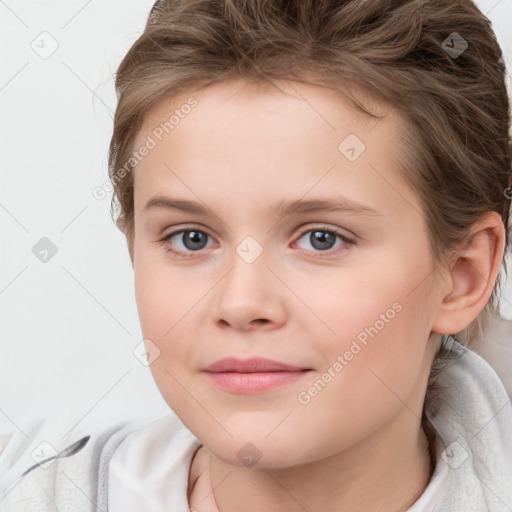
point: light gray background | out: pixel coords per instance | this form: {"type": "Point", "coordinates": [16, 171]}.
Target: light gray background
{"type": "Point", "coordinates": [69, 326]}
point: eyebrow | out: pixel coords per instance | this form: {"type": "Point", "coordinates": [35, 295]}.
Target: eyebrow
{"type": "Point", "coordinates": [281, 209]}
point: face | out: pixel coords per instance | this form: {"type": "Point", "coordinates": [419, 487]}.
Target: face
{"type": "Point", "coordinates": [259, 266]}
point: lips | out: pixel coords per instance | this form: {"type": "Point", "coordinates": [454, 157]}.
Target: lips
{"type": "Point", "coordinates": [252, 365]}
{"type": "Point", "coordinates": [254, 375]}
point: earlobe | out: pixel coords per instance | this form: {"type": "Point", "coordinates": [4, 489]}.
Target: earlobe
{"type": "Point", "coordinates": [473, 274]}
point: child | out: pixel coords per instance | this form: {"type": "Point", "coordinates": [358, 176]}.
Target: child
{"type": "Point", "coordinates": [344, 168]}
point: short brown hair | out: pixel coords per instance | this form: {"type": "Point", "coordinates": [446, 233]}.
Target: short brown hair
{"type": "Point", "coordinates": [456, 106]}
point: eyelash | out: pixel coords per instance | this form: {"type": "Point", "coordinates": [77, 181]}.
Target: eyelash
{"type": "Point", "coordinates": [347, 241]}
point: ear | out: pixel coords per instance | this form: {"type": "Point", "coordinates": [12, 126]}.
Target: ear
{"type": "Point", "coordinates": [472, 275]}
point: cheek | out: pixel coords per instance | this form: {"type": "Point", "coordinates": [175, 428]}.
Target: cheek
{"type": "Point", "coordinates": [165, 304]}
{"type": "Point", "coordinates": [371, 365]}
{"type": "Point", "coordinates": [379, 323]}
{"type": "Point", "coordinates": [382, 299]}
{"type": "Point", "coordinates": [163, 294]}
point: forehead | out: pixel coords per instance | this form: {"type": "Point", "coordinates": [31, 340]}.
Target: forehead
{"type": "Point", "coordinates": [321, 104]}
{"type": "Point", "coordinates": [285, 140]}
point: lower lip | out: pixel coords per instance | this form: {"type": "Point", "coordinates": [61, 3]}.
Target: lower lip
{"type": "Point", "coordinates": [254, 382]}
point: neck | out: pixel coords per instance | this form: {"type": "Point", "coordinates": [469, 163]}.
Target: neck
{"type": "Point", "coordinates": [388, 477]}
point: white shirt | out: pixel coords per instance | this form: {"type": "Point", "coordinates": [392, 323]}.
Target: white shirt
{"type": "Point", "coordinates": [473, 451]}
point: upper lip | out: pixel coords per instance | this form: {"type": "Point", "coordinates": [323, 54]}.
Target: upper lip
{"type": "Point", "coordinates": [252, 365]}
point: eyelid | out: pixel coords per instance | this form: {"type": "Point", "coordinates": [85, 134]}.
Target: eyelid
{"type": "Point", "coordinates": [299, 231]}
{"type": "Point", "coordinates": [187, 227]}
{"type": "Point", "coordinates": [331, 229]}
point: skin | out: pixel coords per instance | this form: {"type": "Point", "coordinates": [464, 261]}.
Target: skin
{"type": "Point", "coordinates": [358, 443]}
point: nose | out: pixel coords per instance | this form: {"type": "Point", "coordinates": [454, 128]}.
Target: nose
{"type": "Point", "coordinates": [250, 296]}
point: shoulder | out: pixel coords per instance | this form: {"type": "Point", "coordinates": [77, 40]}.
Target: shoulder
{"type": "Point", "coordinates": [152, 461]}
{"type": "Point", "coordinates": [494, 345]}
{"type": "Point", "coordinates": [148, 443]}
{"type": "Point", "coordinates": [474, 421]}
{"type": "Point", "coordinates": [64, 484]}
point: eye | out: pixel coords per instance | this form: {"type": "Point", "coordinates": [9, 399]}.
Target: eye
{"type": "Point", "coordinates": [323, 239]}
{"type": "Point", "coordinates": [183, 242]}
{"type": "Point", "coordinates": [190, 239]}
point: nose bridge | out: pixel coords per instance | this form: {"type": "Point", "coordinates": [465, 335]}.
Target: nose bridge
{"type": "Point", "coordinates": [248, 275]}
{"type": "Point", "coordinates": [249, 291]}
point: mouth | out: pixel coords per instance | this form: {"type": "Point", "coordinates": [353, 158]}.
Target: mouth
{"type": "Point", "coordinates": [253, 375]}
